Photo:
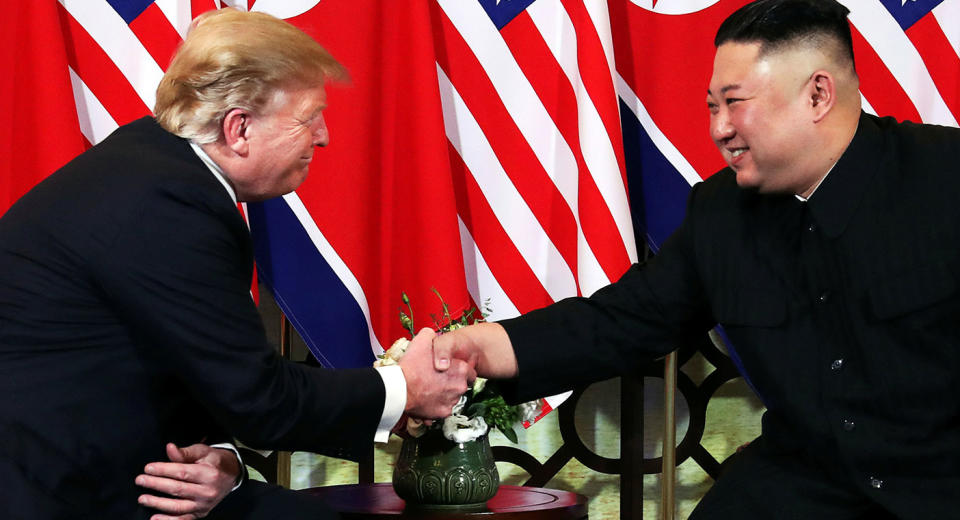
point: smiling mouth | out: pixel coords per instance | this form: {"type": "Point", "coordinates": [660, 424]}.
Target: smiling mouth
{"type": "Point", "coordinates": [736, 155]}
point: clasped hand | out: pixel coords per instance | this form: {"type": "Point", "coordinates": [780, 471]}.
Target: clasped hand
{"type": "Point", "coordinates": [432, 393]}
{"type": "Point", "coordinates": [196, 479]}
{"type": "Point", "coordinates": [440, 368]}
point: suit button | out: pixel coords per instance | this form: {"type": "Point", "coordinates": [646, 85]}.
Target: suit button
{"type": "Point", "coordinates": [849, 425]}
{"type": "Point", "coordinates": [837, 364]}
{"type": "Point", "coordinates": [875, 483]}
{"type": "Point", "coordinates": [824, 297]}
{"type": "Point", "coordinates": [811, 228]}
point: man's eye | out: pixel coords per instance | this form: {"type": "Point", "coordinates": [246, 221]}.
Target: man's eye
{"type": "Point", "coordinates": [713, 108]}
{"type": "Point", "coordinates": [731, 101]}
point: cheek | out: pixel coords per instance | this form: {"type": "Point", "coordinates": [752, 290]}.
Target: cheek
{"type": "Point", "coordinates": [759, 129]}
{"type": "Point", "coordinates": [746, 121]}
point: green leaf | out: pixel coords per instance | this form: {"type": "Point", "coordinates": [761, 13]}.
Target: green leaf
{"type": "Point", "coordinates": [509, 433]}
{"type": "Point", "coordinates": [476, 409]}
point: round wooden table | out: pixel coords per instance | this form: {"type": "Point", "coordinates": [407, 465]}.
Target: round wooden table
{"type": "Point", "coordinates": [378, 501]}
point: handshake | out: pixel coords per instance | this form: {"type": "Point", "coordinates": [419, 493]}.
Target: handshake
{"type": "Point", "coordinates": [439, 368]}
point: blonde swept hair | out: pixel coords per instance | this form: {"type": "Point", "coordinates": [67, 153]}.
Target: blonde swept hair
{"type": "Point", "coordinates": [236, 59]}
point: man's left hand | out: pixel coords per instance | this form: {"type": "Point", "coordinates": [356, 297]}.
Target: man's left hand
{"type": "Point", "coordinates": [197, 478]}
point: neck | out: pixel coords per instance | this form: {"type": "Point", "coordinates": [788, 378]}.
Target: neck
{"type": "Point", "coordinates": [220, 154]}
{"type": "Point", "coordinates": [836, 138]}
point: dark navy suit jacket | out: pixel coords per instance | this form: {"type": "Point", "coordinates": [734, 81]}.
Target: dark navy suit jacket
{"type": "Point", "coordinates": [126, 322]}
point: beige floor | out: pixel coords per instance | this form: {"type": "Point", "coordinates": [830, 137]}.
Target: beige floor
{"type": "Point", "coordinates": [733, 418]}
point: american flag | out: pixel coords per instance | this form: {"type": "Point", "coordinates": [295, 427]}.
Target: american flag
{"type": "Point", "coordinates": [482, 148]}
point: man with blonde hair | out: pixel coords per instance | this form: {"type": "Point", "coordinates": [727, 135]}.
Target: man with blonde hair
{"type": "Point", "coordinates": [126, 325]}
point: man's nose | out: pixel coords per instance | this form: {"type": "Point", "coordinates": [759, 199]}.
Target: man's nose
{"type": "Point", "coordinates": [321, 135]}
{"type": "Point", "coordinates": [720, 127]}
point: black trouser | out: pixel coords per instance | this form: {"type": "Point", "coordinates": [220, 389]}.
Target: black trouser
{"type": "Point", "coordinates": [256, 500]}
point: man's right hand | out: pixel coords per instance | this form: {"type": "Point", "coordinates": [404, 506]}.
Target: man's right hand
{"type": "Point", "coordinates": [431, 394]}
{"type": "Point", "coordinates": [484, 347]}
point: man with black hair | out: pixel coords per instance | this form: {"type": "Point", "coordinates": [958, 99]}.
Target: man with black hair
{"type": "Point", "coordinates": [827, 249]}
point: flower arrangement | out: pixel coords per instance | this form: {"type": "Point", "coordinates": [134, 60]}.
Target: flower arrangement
{"type": "Point", "coordinates": [482, 406]}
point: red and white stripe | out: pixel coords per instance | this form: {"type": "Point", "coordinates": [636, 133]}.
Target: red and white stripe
{"type": "Point", "coordinates": [115, 67]}
{"type": "Point", "coordinates": [110, 67]}
{"type": "Point", "coordinates": [914, 74]}
{"type": "Point", "coordinates": [528, 112]}
{"type": "Point", "coordinates": [533, 122]}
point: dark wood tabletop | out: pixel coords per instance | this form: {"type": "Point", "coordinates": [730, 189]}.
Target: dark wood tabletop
{"type": "Point", "coordinates": [378, 501]}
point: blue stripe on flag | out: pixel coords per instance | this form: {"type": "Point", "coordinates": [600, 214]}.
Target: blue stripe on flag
{"type": "Point", "coordinates": [129, 10]}
{"type": "Point", "coordinates": [658, 193]}
{"type": "Point", "coordinates": [309, 293]}
{"type": "Point", "coordinates": [908, 14]}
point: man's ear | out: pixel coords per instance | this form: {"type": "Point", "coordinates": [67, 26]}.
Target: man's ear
{"type": "Point", "coordinates": [235, 130]}
{"type": "Point", "coordinates": [822, 92]}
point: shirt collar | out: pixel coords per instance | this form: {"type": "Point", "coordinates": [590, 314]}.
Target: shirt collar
{"type": "Point", "coordinates": [801, 198]}
{"type": "Point", "coordinates": [215, 169]}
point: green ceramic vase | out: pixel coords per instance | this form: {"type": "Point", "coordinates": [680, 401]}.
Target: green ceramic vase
{"type": "Point", "coordinates": [433, 472]}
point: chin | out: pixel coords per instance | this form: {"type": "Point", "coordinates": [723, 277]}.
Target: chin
{"type": "Point", "coordinates": [299, 180]}
{"type": "Point", "coordinates": [747, 180]}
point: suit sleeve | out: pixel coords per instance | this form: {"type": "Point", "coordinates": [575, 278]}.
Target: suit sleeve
{"type": "Point", "coordinates": [650, 311]}
{"type": "Point", "coordinates": [179, 273]}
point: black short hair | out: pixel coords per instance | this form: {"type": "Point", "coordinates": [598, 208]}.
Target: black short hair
{"type": "Point", "coordinates": [779, 23]}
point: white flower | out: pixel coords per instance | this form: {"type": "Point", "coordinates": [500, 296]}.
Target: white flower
{"type": "Point", "coordinates": [393, 354]}
{"type": "Point", "coordinates": [478, 385]}
{"type": "Point", "coordinates": [384, 362]}
{"type": "Point", "coordinates": [398, 349]}
{"type": "Point", "coordinates": [458, 428]}
{"type": "Point", "coordinates": [457, 408]}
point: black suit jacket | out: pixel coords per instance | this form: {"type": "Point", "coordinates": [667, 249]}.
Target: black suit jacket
{"type": "Point", "coordinates": [845, 312]}
{"type": "Point", "coordinates": [126, 322]}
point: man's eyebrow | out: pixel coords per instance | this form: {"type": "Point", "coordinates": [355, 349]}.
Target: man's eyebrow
{"type": "Point", "coordinates": [724, 89]}
{"type": "Point", "coordinates": [315, 113]}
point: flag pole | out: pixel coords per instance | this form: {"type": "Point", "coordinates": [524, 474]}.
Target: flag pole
{"type": "Point", "coordinates": [283, 457]}
{"type": "Point", "coordinates": [669, 436]}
